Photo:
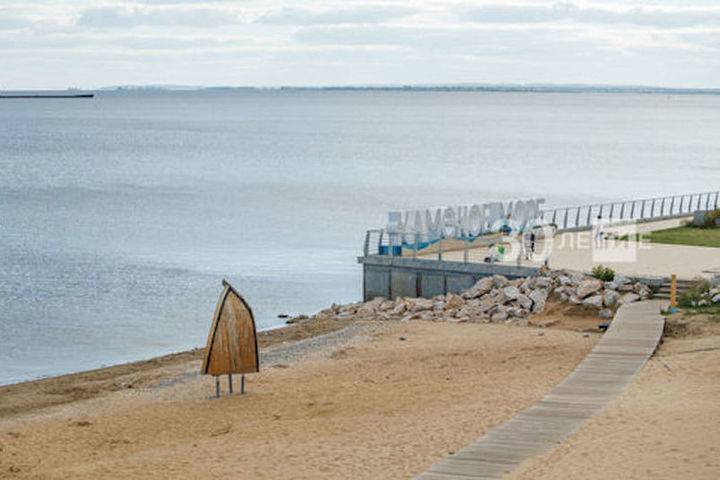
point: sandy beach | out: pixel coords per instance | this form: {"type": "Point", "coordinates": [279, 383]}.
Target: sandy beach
{"type": "Point", "coordinates": [369, 400]}
{"type": "Point", "coordinates": [664, 426]}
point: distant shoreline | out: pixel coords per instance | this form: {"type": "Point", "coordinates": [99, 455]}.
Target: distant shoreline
{"type": "Point", "coordinates": [39, 96]}
{"type": "Point", "coordinates": [523, 89]}
{"type": "Point", "coordinates": [469, 87]}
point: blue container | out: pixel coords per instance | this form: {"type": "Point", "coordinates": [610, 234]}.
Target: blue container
{"type": "Point", "coordinates": [382, 250]}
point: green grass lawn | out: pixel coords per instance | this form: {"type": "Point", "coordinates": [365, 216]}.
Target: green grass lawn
{"type": "Point", "coordinates": [699, 237]}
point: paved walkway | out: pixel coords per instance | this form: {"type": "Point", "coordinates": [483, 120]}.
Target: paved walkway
{"type": "Point", "coordinates": [618, 356]}
{"type": "Point", "coordinates": [576, 251]}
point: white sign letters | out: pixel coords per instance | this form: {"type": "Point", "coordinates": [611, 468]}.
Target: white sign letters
{"type": "Point", "coordinates": [461, 221]}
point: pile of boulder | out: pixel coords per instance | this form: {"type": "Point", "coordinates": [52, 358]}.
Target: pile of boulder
{"type": "Point", "coordinates": [707, 297]}
{"type": "Point", "coordinates": [498, 299]}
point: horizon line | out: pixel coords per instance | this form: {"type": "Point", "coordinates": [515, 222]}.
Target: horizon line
{"type": "Point", "coordinates": [457, 86]}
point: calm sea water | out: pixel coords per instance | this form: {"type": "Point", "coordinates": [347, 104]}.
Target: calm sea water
{"type": "Point", "coordinates": [119, 216]}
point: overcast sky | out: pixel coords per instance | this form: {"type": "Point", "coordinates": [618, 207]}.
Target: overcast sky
{"type": "Point", "coordinates": [92, 43]}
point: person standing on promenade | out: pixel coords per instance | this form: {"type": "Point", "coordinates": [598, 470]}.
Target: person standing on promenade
{"type": "Point", "coordinates": [598, 231]}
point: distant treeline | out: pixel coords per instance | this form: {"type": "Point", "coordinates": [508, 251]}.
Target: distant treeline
{"type": "Point", "coordinates": [541, 88]}
{"type": "Point", "coordinates": [523, 88]}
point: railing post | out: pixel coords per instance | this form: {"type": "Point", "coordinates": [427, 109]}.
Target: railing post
{"type": "Point", "coordinates": [589, 215]}
{"type": "Point", "coordinates": [662, 207]}
{"type": "Point", "coordinates": [622, 211]}
{"type": "Point", "coordinates": [707, 202]}
{"type": "Point", "coordinates": [682, 200]}
{"type": "Point", "coordinates": [642, 210]}
{"type": "Point", "coordinates": [717, 198]}
{"type": "Point", "coordinates": [612, 210]}
{"type": "Point", "coordinates": [602, 206]}
{"type": "Point", "coordinates": [672, 205]}
{"type": "Point", "coordinates": [652, 209]}
{"type": "Point", "coordinates": [554, 217]}
{"type": "Point", "coordinates": [440, 252]}
{"type": "Point", "coordinates": [566, 219]}
{"type": "Point", "coordinates": [632, 211]}
{"type": "Point", "coordinates": [366, 246]}
{"type": "Point", "coordinates": [577, 218]}
{"type": "Point", "coordinates": [380, 240]}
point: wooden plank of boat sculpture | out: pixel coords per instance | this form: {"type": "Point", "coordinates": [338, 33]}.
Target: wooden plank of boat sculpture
{"type": "Point", "coordinates": [232, 341]}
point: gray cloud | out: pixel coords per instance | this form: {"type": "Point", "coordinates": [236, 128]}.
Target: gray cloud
{"type": "Point", "coordinates": [108, 17]}
{"type": "Point", "coordinates": [48, 43]}
{"type": "Point", "coordinates": [455, 41]}
{"type": "Point", "coordinates": [13, 22]}
{"type": "Point", "coordinates": [303, 16]}
{"type": "Point", "coordinates": [568, 11]}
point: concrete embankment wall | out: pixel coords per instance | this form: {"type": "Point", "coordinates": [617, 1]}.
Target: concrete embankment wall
{"type": "Point", "coordinates": [392, 277]}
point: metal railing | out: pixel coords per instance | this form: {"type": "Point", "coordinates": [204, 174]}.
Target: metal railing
{"type": "Point", "coordinates": [658, 208]}
{"type": "Point", "coordinates": [582, 217]}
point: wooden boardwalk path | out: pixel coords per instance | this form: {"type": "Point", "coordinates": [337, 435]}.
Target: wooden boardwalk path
{"type": "Point", "coordinates": [603, 374]}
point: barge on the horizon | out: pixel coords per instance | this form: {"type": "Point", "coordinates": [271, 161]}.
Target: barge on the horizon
{"type": "Point", "coordinates": [54, 95]}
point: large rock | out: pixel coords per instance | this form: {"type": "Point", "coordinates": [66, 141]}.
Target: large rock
{"type": "Point", "coordinates": [454, 301]}
{"type": "Point", "coordinates": [524, 301]}
{"type": "Point", "coordinates": [629, 298]}
{"type": "Point", "coordinates": [594, 301]}
{"type": "Point", "coordinates": [575, 300]}
{"type": "Point", "coordinates": [588, 287]}
{"type": "Point", "coordinates": [539, 298]}
{"type": "Point", "coordinates": [516, 312]}
{"type": "Point", "coordinates": [499, 281]}
{"type": "Point", "coordinates": [577, 278]}
{"type": "Point", "coordinates": [469, 311]}
{"type": "Point", "coordinates": [642, 290]}
{"type": "Point", "coordinates": [499, 297]}
{"type": "Point", "coordinates": [620, 280]}
{"type": "Point", "coordinates": [511, 292]}
{"type": "Point", "coordinates": [387, 305]}
{"type": "Point", "coordinates": [541, 282]}
{"type": "Point", "coordinates": [499, 316]}
{"type": "Point", "coordinates": [483, 286]}
{"type": "Point", "coordinates": [420, 304]}
{"type": "Point", "coordinates": [610, 298]}
{"type": "Point", "coordinates": [400, 307]}
{"type": "Point", "coordinates": [427, 316]}
{"type": "Point", "coordinates": [605, 313]}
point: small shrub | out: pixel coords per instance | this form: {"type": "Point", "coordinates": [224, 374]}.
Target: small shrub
{"type": "Point", "coordinates": [697, 291]}
{"type": "Point", "coordinates": [601, 272]}
{"type": "Point", "coordinates": [711, 217]}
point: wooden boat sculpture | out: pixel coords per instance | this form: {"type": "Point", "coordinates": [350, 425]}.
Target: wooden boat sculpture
{"type": "Point", "coordinates": [232, 341]}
